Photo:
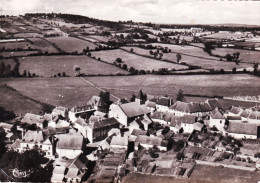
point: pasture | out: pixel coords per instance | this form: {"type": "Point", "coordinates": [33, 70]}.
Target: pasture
{"type": "Point", "coordinates": [136, 61]}
{"type": "Point", "coordinates": [205, 63]}
{"type": "Point", "coordinates": [99, 38]}
{"type": "Point", "coordinates": [245, 55]}
{"type": "Point", "coordinates": [66, 92]}
{"type": "Point", "coordinates": [71, 44]}
{"type": "Point", "coordinates": [16, 45]}
{"type": "Point", "coordinates": [17, 53]}
{"type": "Point", "coordinates": [48, 66]}
{"type": "Point", "coordinates": [28, 35]}
{"type": "Point", "coordinates": [43, 45]}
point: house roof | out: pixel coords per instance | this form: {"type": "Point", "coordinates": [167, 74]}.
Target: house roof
{"type": "Point", "coordinates": [245, 113]}
{"type": "Point", "coordinates": [176, 121]}
{"type": "Point", "coordinates": [76, 109]}
{"type": "Point", "coordinates": [16, 144]}
{"type": "Point", "coordinates": [47, 142]}
{"type": "Point", "coordinates": [255, 115]}
{"type": "Point", "coordinates": [150, 104]}
{"type": "Point", "coordinates": [205, 107]}
{"type": "Point", "coordinates": [137, 132]}
{"type": "Point", "coordinates": [72, 173]}
{"type": "Point", "coordinates": [165, 101]}
{"type": "Point", "coordinates": [69, 142]}
{"type": "Point", "coordinates": [242, 128]}
{"type": "Point", "coordinates": [6, 125]}
{"type": "Point", "coordinates": [216, 114]}
{"type": "Point", "coordinates": [59, 170]}
{"type": "Point", "coordinates": [32, 119]}
{"type": "Point", "coordinates": [96, 101]}
{"type": "Point", "coordinates": [104, 123]}
{"type": "Point", "coordinates": [146, 120]}
{"type": "Point", "coordinates": [62, 124]}
{"type": "Point", "coordinates": [47, 117]}
{"type": "Point", "coordinates": [60, 108]}
{"type": "Point", "coordinates": [79, 162]}
{"type": "Point", "coordinates": [188, 119]}
{"type": "Point", "coordinates": [235, 110]}
{"type": "Point", "coordinates": [234, 117]}
{"type": "Point", "coordinates": [186, 107]}
{"type": "Point", "coordinates": [198, 126]}
{"type": "Point", "coordinates": [151, 141]}
{"type": "Point", "coordinates": [213, 103]}
{"type": "Point", "coordinates": [133, 109]}
{"type": "Point", "coordinates": [119, 141]}
{"type": "Point", "coordinates": [158, 115]}
{"type": "Point", "coordinates": [121, 101]}
{"type": "Point", "coordinates": [33, 136]}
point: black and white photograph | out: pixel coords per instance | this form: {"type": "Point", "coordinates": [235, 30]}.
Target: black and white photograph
{"type": "Point", "coordinates": [130, 91]}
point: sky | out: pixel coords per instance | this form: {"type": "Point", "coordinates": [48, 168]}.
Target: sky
{"type": "Point", "coordinates": [155, 11]}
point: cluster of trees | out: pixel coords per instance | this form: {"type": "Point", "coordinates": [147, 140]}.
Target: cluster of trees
{"type": "Point", "coordinates": [63, 74]}
{"type": "Point", "coordinates": [156, 53]}
{"type": "Point", "coordinates": [233, 57]}
{"type": "Point", "coordinates": [7, 71]}
{"type": "Point", "coordinates": [51, 35]}
{"type": "Point", "coordinates": [6, 115]}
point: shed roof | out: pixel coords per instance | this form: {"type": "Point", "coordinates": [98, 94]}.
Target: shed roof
{"type": "Point", "coordinates": [133, 109]}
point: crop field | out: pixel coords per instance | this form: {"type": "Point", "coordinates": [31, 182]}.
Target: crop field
{"type": "Point", "coordinates": [194, 60]}
{"type": "Point", "coordinates": [225, 35]}
{"type": "Point", "coordinates": [87, 38]}
{"type": "Point", "coordinates": [189, 50]}
{"type": "Point", "coordinates": [28, 35]}
{"type": "Point", "coordinates": [48, 66]}
{"type": "Point", "coordinates": [43, 45]}
{"type": "Point", "coordinates": [66, 92]}
{"type": "Point", "coordinates": [187, 38]}
{"type": "Point", "coordinates": [100, 38]}
{"type": "Point", "coordinates": [62, 23]}
{"type": "Point", "coordinates": [245, 55]}
{"type": "Point", "coordinates": [218, 174]}
{"type": "Point", "coordinates": [17, 53]}
{"type": "Point", "coordinates": [209, 85]}
{"type": "Point", "coordinates": [15, 45]}
{"type": "Point", "coordinates": [132, 60]}
{"type": "Point", "coordinates": [71, 44]}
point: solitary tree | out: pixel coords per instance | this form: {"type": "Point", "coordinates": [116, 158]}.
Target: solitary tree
{"type": "Point", "coordinates": [76, 69]}
{"type": "Point", "coordinates": [180, 96]}
{"type": "Point", "coordinates": [178, 56]}
{"type": "Point", "coordinates": [118, 60]}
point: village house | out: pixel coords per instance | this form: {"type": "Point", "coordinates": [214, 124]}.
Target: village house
{"type": "Point", "coordinates": [254, 117]}
{"type": "Point", "coordinates": [182, 108]}
{"type": "Point", "coordinates": [240, 130]}
{"type": "Point", "coordinates": [7, 127]}
{"type": "Point", "coordinates": [217, 120]}
{"type": "Point", "coordinates": [80, 125]}
{"type": "Point", "coordinates": [58, 174]}
{"type": "Point", "coordinates": [148, 142]}
{"type": "Point", "coordinates": [119, 142]}
{"type": "Point", "coordinates": [98, 104]}
{"type": "Point", "coordinates": [187, 123]}
{"type": "Point", "coordinates": [33, 119]}
{"type": "Point", "coordinates": [245, 114]}
{"type": "Point", "coordinates": [47, 148]}
{"type": "Point", "coordinates": [163, 104]}
{"type": "Point", "coordinates": [69, 146]}
{"type": "Point", "coordinates": [59, 110]}
{"type": "Point", "coordinates": [97, 131]}
{"type": "Point", "coordinates": [128, 112]}
{"type": "Point", "coordinates": [151, 106]}
{"type": "Point", "coordinates": [159, 117]}
{"type": "Point", "coordinates": [235, 111]}
{"type": "Point", "coordinates": [80, 112]}
{"type": "Point", "coordinates": [31, 140]}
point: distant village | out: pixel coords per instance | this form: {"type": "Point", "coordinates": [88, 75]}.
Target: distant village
{"type": "Point", "coordinates": [104, 141]}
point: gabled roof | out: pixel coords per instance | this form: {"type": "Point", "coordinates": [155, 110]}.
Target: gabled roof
{"type": "Point", "coordinates": [96, 101]}
{"type": "Point", "coordinates": [32, 119]}
{"type": "Point", "coordinates": [165, 101]}
{"type": "Point", "coordinates": [33, 136]}
{"type": "Point", "coordinates": [47, 117]}
{"type": "Point", "coordinates": [95, 118]}
{"type": "Point", "coordinates": [150, 104]}
{"type": "Point", "coordinates": [186, 107]}
{"type": "Point", "coordinates": [6, 125]}
{"type": "Point", "coordinates": [245, 113]}
{"type": "Point", "coordinates": [255, 115]}
{"type": "Point", "coordinates": [176, 121]}
{"type": "Point", "coordinates": [151, 141]}
{"type": "Point", "coordinates": [104, 123]}
{"type": "Point", "coordinates": [158, 115]}
{"type": "Point", "coordinates": [205, 107]}
{"type": "Point", "coordinates": [72, 173]}
{"type": "Point", "coordinates": [198, 126]}
{"type": "Point", "coordinates": [133, 109]}
{"type": "Point", "coordinates": [213, 103]}
{"type": "Point", "coordinates": [119, 141]}
{"type": "Point", "coordinates": [188, 119]}
{"type": "Point", "coordinates": [47, 142]}
{"type": "Point", "coordinates": [15, 145]}
{"type": "Point", "coordinates": [233, 118]}
{"type": "Point", "coordinates": [235, 110]}
{"type": "Point", "coordinates": [242, 128]}
{"type": "Point", "coordinates": [216, 114]}
{"type": "Point", "coordinates": [81, 108]}
{"type": "Point", "coordinates": [137, 132]}
{"type": "Point", "coordinates": [69, 142]}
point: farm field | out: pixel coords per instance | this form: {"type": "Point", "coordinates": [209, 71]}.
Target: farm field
{"type": "Point", "coordinates": [245, 55]}
{"type": "Point", "coordinates": [218, 174]}
{"type": "Point", "coordinates": [66, 92]}
{"type": "Point", "coordinates": [209, 85]}
{"type": "Point", "coordinates": [100, 38]}
{"type": "Point", "coordinates": [205, 63]}
{"type": "Point", "coordinates": [187, 38]}
{"type": "Point", "coordinates": [132, 60]}
{"type": "Point", "coordinates": [43, 45]}
{"type": "Point", "coordinates": [15, 45]}
{"type": "Point", "coordinates": [62, 23]}
{"type": "Point", "coordinates": [189, 50]}
{"type": "Point", "coordinates": [17, 102]}
{"type": "Point", "coordinates": [225, 35]}
{"type": "Point", "coordinates": [17, 53]}
{"type": "Point", "coordinates": [28, 35]}
{"type": "Point", "coordinates": [73, 91]}
{"type": "Point", "coordinates": [48, 66]}
{"type": "Point", "coordinates": [71, 44]}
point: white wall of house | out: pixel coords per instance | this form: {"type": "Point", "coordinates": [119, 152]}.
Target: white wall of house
{"type": "Point", "coordinates": [240, 136]}
{"type": "Point", "coordinates": [159, 121]}
{"type": "Point", "coordinates": [25, 145]}
{"type": "Point", "coordinates": [48, 149]}
{"type": "Point", "coordinates": [118, 147]}
{"type": "Point", "coordinates": [187, 128]}
{"type": "Point", "coordinates": [218, 123]}
{"type": "Point", "coordinates": [116, 112]}
{"type": "Point", "coordinates": [162, 108]}
{"type": "Point", "coordinates": [89, 134]}
{"type": "Point", "coordinates": [255, 121]}
{"type": "Point", "coordinates": [72, 116]}
{"type": "Point", "coordinates": [69, 153]}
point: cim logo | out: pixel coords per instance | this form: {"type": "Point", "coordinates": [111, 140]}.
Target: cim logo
{"type": "Point", "coordinates": [20, 174]}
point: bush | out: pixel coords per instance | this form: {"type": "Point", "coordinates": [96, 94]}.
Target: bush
{"type": "Point", "coordinates": [180, 156]}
